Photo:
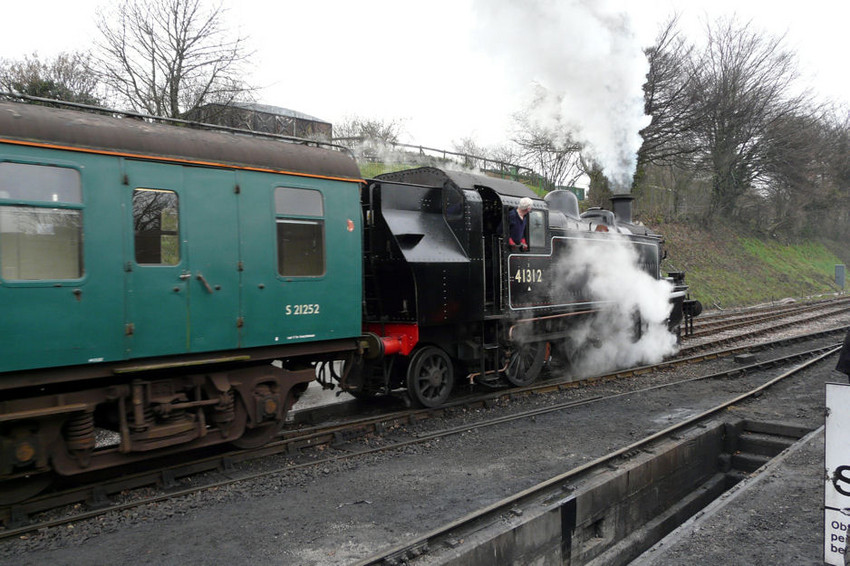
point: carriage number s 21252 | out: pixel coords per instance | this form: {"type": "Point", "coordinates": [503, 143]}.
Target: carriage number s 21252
{"type": "Point", "coordinates": [297, 310]}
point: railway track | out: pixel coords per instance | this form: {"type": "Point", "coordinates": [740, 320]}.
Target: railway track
{"type": "Point", "coordinates": [735, 332]}
{"type": "Point", "coordinates": [93, 500]}
{"type": "Point", "coordinates": [717, 325]}
{"type": "Point", "coordinates": [554, 493]}
{"type": "Point", "coordinates": [708, 318]}
{"type": "Point", "coordinates": [98, 493]}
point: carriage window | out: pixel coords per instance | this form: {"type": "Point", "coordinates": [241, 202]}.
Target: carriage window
{"type": "Point", "coordinates": [537, 229]}
{"type": "Point", "coordinates": [299, 215]}
{"type": "Point", "coordinates": [298, 202]}
{"type": "Point", "coordinates": [41, 222]}
{"type": "Point", "coordinates": [21, 181]}
{"type": "Point", "coordinates": [156, 227]}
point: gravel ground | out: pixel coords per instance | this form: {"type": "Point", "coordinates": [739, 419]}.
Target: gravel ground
{"type": "Point", "coordinates": [339, 512]}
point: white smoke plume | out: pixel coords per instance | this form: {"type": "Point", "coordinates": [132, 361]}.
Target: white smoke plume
{"type": "Point", "coordinates": [584, 66]}
{"type": "Point", "coordinates": [609, 271]}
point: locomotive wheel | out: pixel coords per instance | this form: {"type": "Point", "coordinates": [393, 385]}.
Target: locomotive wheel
{"type": "Point", "coordinates": [20, 489]}
{"type": "Point", "coordinates": [638, 327]}
{"type": "Point", "coordinates": [525, 364]}
{"type": "Point", "coordinates": [430, 377]}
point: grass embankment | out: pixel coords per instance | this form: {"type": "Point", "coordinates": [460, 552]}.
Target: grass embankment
{"type": "Point", "coordinates": [726, 269]}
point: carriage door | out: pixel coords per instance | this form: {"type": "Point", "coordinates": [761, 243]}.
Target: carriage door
{"type": "Point", "coordinates": [182, 277]}
{"type": "Point", "coordinates": [212, 234]}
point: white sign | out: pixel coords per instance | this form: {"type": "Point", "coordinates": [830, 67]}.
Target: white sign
{"type": "Point", "coordinates": [837, 489]}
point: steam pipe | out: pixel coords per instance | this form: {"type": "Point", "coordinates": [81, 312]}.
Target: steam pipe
{"type": "Point", "coordinates": [548, 317]}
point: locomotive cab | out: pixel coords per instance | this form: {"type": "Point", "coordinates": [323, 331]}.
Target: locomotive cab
{"type": "Point", "coordinates": [437, 275]}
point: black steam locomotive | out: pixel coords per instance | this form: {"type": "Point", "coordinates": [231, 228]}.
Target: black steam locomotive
{"type": "Point", "coordinates": [446, 296]}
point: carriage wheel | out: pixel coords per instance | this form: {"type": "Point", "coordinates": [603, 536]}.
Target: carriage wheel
{"type": "Point", "coordinates": [258, 436]}
{"type": "Point", "coordinates": [20, 489]}
{"type": "Point", "coordinates": [525, 364]}
{"type": "Point", "coordinates": [430, 377]}
{"type": "Point", "coordinates": [266, 432]}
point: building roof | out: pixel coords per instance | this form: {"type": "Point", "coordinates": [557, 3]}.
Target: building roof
{"type": "Point", "coordinates": [277, 110]}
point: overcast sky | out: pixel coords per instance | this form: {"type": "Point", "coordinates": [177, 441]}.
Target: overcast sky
{"type": "Point", "coordinates": [451, 69]}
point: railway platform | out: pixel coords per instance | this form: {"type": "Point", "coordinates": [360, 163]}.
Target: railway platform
{"type": "Point", "coordinates": [773, 518]}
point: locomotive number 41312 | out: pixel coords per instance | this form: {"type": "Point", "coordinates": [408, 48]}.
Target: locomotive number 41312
{"type": "Point", "coordinates": [529, 276]}
{"type": "Point", "coordinates": [297, 310]}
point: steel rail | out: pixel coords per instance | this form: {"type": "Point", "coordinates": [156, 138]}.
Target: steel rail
{"type": "Point", "coordinates": [327, 435]}
{"type": "Point", "coordinates": [706, 320]}
{"type": "Point", "coordinates": [753, 320]}
{"type": "Point", "coordinates": [415, 547]}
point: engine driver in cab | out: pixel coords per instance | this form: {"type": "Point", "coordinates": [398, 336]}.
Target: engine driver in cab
{"type": "Point", "coordinates": [518, 222]}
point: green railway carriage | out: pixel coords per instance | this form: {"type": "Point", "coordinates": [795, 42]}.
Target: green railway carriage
{"type": "Point", "coordinates": [149, 276]}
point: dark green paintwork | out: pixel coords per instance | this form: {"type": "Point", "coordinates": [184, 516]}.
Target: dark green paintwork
{"type": "Point", "coordinates": [266, 294]}
{"type": "Point", "coordinates": [45, 324]}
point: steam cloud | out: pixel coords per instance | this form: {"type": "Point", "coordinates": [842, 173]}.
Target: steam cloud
{"type": "Point", "coordinates": [609, 270]}
{"type": "Point", "coordinates": [587, 67]}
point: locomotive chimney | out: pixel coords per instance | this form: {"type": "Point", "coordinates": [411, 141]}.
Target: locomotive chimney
{"type": "Point", "coordinates": [622, 207]}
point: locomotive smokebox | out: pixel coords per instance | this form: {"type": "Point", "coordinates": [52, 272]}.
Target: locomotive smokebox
{"type": "Point", "coordinates": [622, 207]}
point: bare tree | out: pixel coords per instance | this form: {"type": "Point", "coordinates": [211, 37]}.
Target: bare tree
{"type": "Point", "coordinates": [67, 77]}
{"type": "Point", "coordinates": [838, 165]}
{"type": "Point", "coordinates": [169, 57]}
{"type": "Point", "coordinates": [471, 151]}
{"type": "Point", "coordinates": [373, 129]}
{"type": "Point", "coordinates": [742, 85]}
{"type": "Point", "coordinates": [506, 153]}
{"type": "Point", "coordinates": [733, 135]}
{"type": "Point", "coordinates": [556, 157]}
{"type": "Point", "coordinates": [371, 139]}
{"type": "Point", "coordinates": [811, 175]}
{"type": "Point", "coordinates": [669, 140]}
{"type": "Point", "coordinates": [839, 170]}
{"type": "Point", "coordinates": [793, 162]}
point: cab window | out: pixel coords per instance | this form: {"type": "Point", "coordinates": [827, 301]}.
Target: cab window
{"type": "Point", "coordinates": [537, 229]}
{"type": "Point", "coordinates": [41, 222]}
{"type": "Point", "coordinates": [299, 217]}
